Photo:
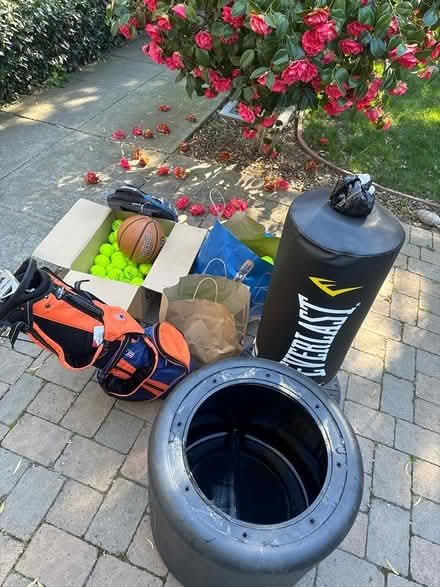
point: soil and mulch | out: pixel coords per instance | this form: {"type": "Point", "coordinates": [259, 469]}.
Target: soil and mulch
{"type": "Point", "coordinates": [219, 140]}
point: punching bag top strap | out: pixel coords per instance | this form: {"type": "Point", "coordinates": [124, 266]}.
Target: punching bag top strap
{"type": "Point", "coordinates": [378, 233]}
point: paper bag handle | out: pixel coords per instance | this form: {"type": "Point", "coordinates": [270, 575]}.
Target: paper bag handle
{"type": "Point", "coordinates": [200, 283]}
{"type": "Point", "coordinates": [216, 259]}
{"type": "Point", "coordinates": [212, 201]}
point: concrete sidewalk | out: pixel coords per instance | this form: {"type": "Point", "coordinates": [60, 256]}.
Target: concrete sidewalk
{"type": "Point", "coordinates": [73, 469]}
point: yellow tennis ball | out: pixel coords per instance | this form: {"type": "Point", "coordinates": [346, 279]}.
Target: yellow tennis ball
{"type": "Point", "coordinates": [137, 281]}
{"type": "Point", "coordinates": [115, 247]}
{"type": "Point", "coordinates": [145, 268]}
{"type": "Point", "coordinates": [130, 272]}
{"type": "Point", "coordinates": [118, 261]}
{"type": "Point", "coordinates": [112, 237]}
{"type": "Point", "coordinates": [114, 273]}
{"type": "Point", "coordinates": [268, 259]}
{"type": "Point", "coordinates": [116, 224]}
{"type": "Point", "coordinates": [102, 260]}
{"type": "Point", "coordinates": [98, 270]}
{"type": "Point", "coordinates": [106, 249]}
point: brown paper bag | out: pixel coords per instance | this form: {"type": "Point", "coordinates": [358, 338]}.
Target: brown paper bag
{"type": "Point", "coordinates": [212, 313]}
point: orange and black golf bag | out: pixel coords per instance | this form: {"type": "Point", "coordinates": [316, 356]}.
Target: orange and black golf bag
{"type": "Point", "coordinates": [134, 362]}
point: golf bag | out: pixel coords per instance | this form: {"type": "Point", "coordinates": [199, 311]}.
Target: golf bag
{"type": "Point", "coordinates": [134, 362]}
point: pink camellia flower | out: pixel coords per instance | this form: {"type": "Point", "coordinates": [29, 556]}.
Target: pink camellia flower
{"type": "Point", "coordinates": [203, 40]}
{"type": "Point", "coordinates": [370, 95]}
{"type": "Point", "coordinates": [426, 73]}
{"type": "Point", "coordinates": [163, 128]}
{"type": "Point", "coordinates": [154, 51]}
{"type": "Point", "coordinates": [125, 31]}
{"type": "Point", "coordinates": [374, 114]}
{"type": "Point", "coordinates": [236, 22]}
{"type": "Point", "coordinates": [118, 135]}
{"type": "Point", "coordinates": [316, 84]}
{"type": "Point", "coordinates": [399, 90]}
{"type": "Point", "coordinates": [269, 121]}
{"type": "Point", "coordinates": [124, 163]}
{"type": "Point", "coordinates": [230, 40]}
{"type": "Point", "coordinates": [327, 31]}
{"type": "Point", "coordinates": [387, 122]}
{"type": "Point", "coordinates": [364, 2]}
{"type": "Point", "coordinates": [222, 84]}
{"type": "Point", "coordinates": [216, 209]}
{"type": "Point", "coordinates": [299, 70]}
{"type": "Point", "coordinates": [255, 96]}
{"type": "Point", "coordinates": [213, 75]}
{"type": "Point", "coordinates": [134, 22]}
{"type": "Point", "coordinates": [257, 109]}
{"type": "Point", "coordinates": [169, 62]}
{"type": "Point", "coordinates": [350, 47]}
{"type": "Point", "coordinates": [197, 210]}
{"type": "Point", "coordinates": [235, 73]}
{"type": "Point", "coordinates": [179, 172]}
{"type": "Point", "coordinates": [228, 211]}
{"type": "Point", "coordinates": [429, 39]}
{"type": "Point", "coordinates": [316, 17]}
{"type": "Point", "coordinates": [246, 113]}
{"type": "Point", "coordinates": [177, 60]}
{"type": "Point", "coordinates": [323, 141]}
{"type": "Point", "coordinates": [248, 133]}
{"type": "Point", "coordinates": [154, 33]}
{"type": "Point", "coordinates": [311, 43]}
{"type": "Point", "coordinates": [210, 93]}
{"type": "Point", "coordinates": [197, 72]}
{"type": "Point", "coordinates": [333, 91]}
{"type": "Point", "coordinates": [394, 28]}
{"type": "Point", "coordinates": [180, 10]}
{"type": "Point", "coordinates": [333, 108]}
{"type": "Point", "coordinates": [163, 170]}
{"type": "Point", "coordinates": [408, 59]}
{"type": "Point", "coordinates": [436, 51]}
{"type": "Point", "coordinates": [281, 184]}
{"type": "Point", "coordinates": [163, 22]}
{"type": "Point", "coordinates": [356, 28]}
{"type": "Point", "coordinates": [239, 205]}
{"type": "Point", "coordinates": [182, 203]}
{"type": "Point", "coordinates": [329, 57]}
{"type": "Point", "coordinates": [279, 87]}
{"type": "Point", "coordinates": [137, 132]}
{"type": "Point", "coordinates": [258, 24]}
{"type": "Point", "coordinates": [91, 177]}
{"type": "Point", "coordinates": [151, 5]}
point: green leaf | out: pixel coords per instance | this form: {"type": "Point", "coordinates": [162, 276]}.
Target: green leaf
{"type": "Point", "coordinates": [238, 8]}
{"type": "Point", "coordinates": [236, 95]}
{"type": "Point", "coordinates": [257, 72]}
{"type": "Point", "coordinates": [247, 58]}
{"type": "Point", "coordinates": [393, 43]}
{"type": "Point", "coordinates": [366, 15]}
{"type": "Point", "coordinates": [377, 47]}
{"type": "Point", "coordinates": [235, 60]}
{"type": "Point", "coordinates": [431, 17]}
{"type": "Point", "coordinates": [353, 83]}
{"type": "Point", "coordinates": [293, 48]}
{"type": "Point", "coordinates": [238, 82]}
{"type": "Point", "coordinates": [249, 41]}
{"type": "Point", "coordinates": [115, 28]}
{"type": "Point", "coordinates": [340, 74]}
{"type": "Point", "coordinates": [202, 57]}
{"type": "Point", "coordinates": [270, 80]}
{"type": "Point", "coordinates": [339, 4]}
{"type": "Point", "coordinates": [270, 20]}
{"type": "Point", "coordinates": [402, 49]}
{"type": "Point", "coordinates": [179, 77]}
{"type": "Point", "coordinates": [282, 23]}
{"type": "Point", "coordinates": [189, 87]}
{"type": "Point", "coordinates": [281, 57]}
{"type": "Point", "coordinates": [248, 94]}
{"type": "Point", "coordinates": [192, 14]}
{"type": "Point", "coordinates": [404, 8]}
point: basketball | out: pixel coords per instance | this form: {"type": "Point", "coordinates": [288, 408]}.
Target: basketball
{"type": "Point", "coordinates": [140, 238]}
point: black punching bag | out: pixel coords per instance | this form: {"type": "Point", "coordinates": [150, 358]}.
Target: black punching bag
{"type": "Point", "coordinates": [329, 269]}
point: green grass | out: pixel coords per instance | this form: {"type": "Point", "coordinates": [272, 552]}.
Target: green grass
{"type": "Point", "coordinates": [406, 157]}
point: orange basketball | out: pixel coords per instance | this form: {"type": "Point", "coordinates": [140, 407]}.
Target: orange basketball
{"type": "Point", "coordinates": [140, 238]}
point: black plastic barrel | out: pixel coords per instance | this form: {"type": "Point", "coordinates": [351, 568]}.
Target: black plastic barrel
{"type": "Point", "coordinates": [329, 270]}
{"type": "Point", "coordinates": [255, 476]}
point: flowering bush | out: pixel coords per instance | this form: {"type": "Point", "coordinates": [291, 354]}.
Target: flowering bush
{"type": "Point", "coordinates": [270, 54]}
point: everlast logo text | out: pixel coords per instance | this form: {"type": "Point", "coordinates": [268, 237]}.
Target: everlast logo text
{"type": "Point", "coordinates": [317, 329]}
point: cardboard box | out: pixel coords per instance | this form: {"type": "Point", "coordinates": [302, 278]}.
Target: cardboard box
{"type": "Point", "coordinates": [74, 242]}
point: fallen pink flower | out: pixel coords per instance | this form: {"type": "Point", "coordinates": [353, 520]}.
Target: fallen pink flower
{"type": "Point", "coordinates": [237, 204]}
{"type": "Point", "coordinates": [91, 177]}
{"type": "Point", "coordinates": [182, 203]}
{"type": "Point", "coordinates": [229, 211]}
{"type": "Point", "coordinates": [164, 107]}
{"type": "Point", "coordinates": [124, 163]}
{"type": "Point", "coordinates": [119, 135]}
{"type": "Point", "coordinates": [216, 209]}
{"type": "Point", "coordinates": [163, 170]}
{"type": "Point", "coordinates": [197, 210]}
{"type": "Point", "coordinates": [137, 132]}
{"type": "Point", "coordinates": [163, 128]}
{"type": "Point", "coordinates": [180, 172]}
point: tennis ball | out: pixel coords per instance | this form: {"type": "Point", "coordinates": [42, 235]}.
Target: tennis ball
{"type": "Point", "coordinates": [98, 270]}
{"type": "Point", "coordinates": [114, 273]}
{"type": "Point", "coordinates": [268, 259]}
{"type": "Point", "coordinates": [112, 237]}
{"type": "Point", "coordinates": [116, 224]}
{"type": "Point", "coordinates": [145, 268]}
{"type": "Point", "coordinates": [115, 247]}
{"type": "Point", "coordinates": [125, 280]}
{"type": "Point", "coordinates": [106, 250]}
{"type": "Point", "coordinates": [102, 260]}
{"type": "Point", "coordinates": [130, 272]}
{"type": "Point", "coordinates": [118, 261]}
{"type": "Point", "coordinates": [137, 281]}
